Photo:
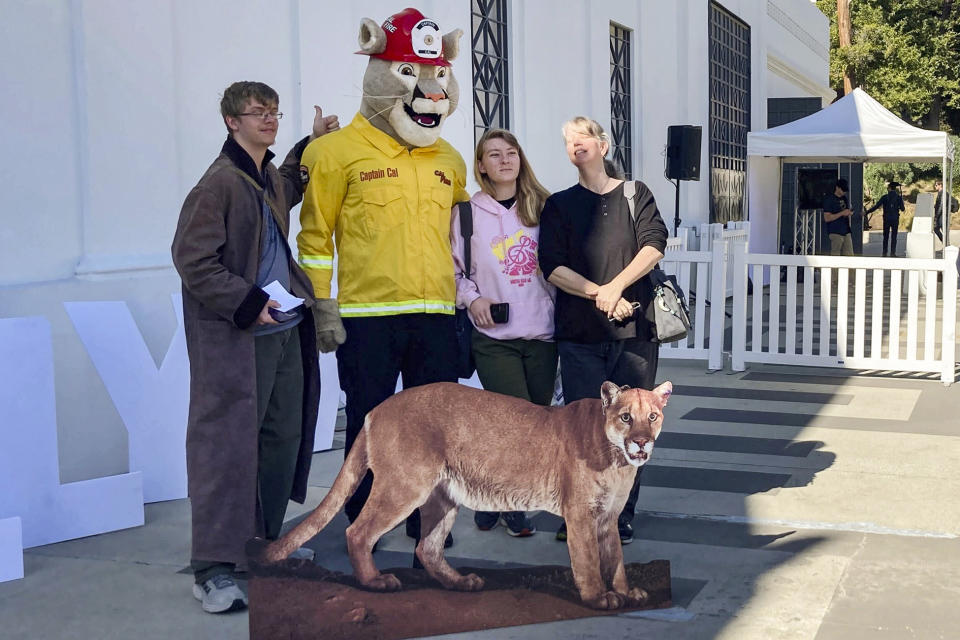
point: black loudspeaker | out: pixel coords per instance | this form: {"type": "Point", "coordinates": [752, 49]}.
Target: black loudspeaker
{"type": "Point", "coordinates": [813, 185]}
{"type": "Point", "coordinates": [683, 152]}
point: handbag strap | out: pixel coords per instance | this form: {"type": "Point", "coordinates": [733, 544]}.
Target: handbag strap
{"type": "Point", "coordinates": [630, 192]}
{"type": "Point", "coordinates": [465, 209]}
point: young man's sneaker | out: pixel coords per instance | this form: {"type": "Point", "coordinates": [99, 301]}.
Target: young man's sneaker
{"type": "Point", "coordinates": [626, 531]}
{"type": "Point", "coordinates": [562, 532]}
{"type": "Point", "coordinates": [517, 523]}
{"type": "Point", "coordinates": [486, 520]}
{"type": "Point", "coordinates": [220, 594]}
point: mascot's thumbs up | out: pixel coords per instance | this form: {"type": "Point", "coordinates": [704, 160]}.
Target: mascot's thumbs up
{"type": "Point", "coordinates": [323, 124]}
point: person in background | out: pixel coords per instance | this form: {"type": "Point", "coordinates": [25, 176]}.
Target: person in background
{"type": "Point", "coordinates": [516, 357]}
{"type": "Point", "coordinates": [599, 254]}
{"type": "Point", "coordinates": [892, 203]}
{"type": "Point", "coordinates": [938, 209]}
{"type": "Point", "coordinates": [254, 382]}
{"type": "Point", "coordinates": [837, 213]}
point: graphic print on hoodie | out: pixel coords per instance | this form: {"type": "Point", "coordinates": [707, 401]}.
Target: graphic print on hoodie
{"type": "Point", "coordinates": [518, 255]}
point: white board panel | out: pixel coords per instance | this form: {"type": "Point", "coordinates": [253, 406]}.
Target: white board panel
{"type": "Point", "coordinates": [29, 465]}
{"type": "Point", "coordinates": [11, 550]}
{"type": "Point", "coordinates": [151, 401]}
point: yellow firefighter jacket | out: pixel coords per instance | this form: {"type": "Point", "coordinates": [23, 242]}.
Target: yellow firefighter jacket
{"type": "Point", "coordinates": [389, 210]}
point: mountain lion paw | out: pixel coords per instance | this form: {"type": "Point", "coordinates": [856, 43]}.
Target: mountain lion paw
{"type": "Point", "coordinates": [384, 582]}
{"type": "Point", "coordinates": [637, 597]}
{"type": "Point", "coordinates": [608, 600]}
{"type": "Point", "coordinates": [469, 582]}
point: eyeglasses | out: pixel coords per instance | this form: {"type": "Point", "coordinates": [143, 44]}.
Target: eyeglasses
{"type": "Point", "coordinates": [269, 115]}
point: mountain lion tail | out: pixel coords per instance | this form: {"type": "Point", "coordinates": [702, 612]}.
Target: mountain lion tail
{"type": "Point", "coordinates": [353, 470]}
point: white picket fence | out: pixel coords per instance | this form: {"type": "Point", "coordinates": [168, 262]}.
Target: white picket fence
{"type": "Point", "coordinates": [863, 313]}
{"type": "Point", "coordinates": [702, 275]}
{"type": "Point", "coordinates": [824, 325]}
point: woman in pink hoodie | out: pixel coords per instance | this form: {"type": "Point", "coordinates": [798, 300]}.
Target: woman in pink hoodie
{"type": "Point", "coordinates": [515, 355]}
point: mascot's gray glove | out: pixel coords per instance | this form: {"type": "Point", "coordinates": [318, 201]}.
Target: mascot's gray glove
{"type": "Point", "coordinates": [330, 331]}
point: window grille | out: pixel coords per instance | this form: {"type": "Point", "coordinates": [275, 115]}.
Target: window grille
{"type": "Point", "coordinates": [621, 126]}
{"type": "Point", "coordinates": [491, 95]}
{"type": "Point", "coordinates": [729, 113]}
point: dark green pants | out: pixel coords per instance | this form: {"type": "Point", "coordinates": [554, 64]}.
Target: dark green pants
{"type": "Point", "coordinates": [280, 415]}
{"type": "Point", "coordinates": [520, 368]}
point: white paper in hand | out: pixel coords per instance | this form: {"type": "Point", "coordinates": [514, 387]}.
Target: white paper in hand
{"type": "Point", "coordinates": [285, 298]}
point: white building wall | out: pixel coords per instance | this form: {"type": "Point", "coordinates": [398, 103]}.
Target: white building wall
{"type": "Point", "coordinates": [117, 117]}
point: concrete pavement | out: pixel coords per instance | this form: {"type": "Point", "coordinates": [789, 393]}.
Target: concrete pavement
{"type": "Point", "coordinates": [792, 503]}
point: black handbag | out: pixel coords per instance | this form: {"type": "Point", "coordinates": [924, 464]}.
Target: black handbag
{"type": "Point", "coordinates": [464, 328]}
{"type": "Point", "coordinates": [669, 307]}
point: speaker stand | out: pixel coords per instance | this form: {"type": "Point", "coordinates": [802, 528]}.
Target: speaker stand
{"type": "Point", "coordinates": [676, 210]}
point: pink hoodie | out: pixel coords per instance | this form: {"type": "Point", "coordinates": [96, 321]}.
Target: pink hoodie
{"type": "Point", "coordinates": [504, 269]}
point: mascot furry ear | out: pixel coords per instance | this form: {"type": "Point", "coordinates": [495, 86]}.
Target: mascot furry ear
{"type": "Point", "coordinates": [408, 88]}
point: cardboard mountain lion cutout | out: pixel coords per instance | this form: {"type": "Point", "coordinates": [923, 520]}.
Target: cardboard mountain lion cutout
{"type": "Point", "coordinates": [443, 445]}
{"type": "Point", "coordinates": [381, 190]}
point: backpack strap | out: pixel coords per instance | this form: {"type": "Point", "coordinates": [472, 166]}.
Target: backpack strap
{"type": "Point", "coordinates": [465, 209]}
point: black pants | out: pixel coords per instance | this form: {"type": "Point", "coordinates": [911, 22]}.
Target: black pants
{"type": "Point", "coordinates": [890, 226]}
{"type": "Point", "coordinates": [419, 347]}
{"type": "Point", "coordinates": [585, 367]}
{"type": "Point", "coordinates": [279, 368]}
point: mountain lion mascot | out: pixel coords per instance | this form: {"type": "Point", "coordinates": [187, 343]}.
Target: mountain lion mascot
{"type": "Point", "coordinates": [382, 189]}
{"type": "Point", "coordinates": [441, 445]}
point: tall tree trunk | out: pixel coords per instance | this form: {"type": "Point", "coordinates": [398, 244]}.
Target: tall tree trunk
{"type": "Point", "coordinates": [843, 30]}
{"type": "Point", "coordinates": [932, 121]}
{"type": "Point", "coordinates": [936, 107]}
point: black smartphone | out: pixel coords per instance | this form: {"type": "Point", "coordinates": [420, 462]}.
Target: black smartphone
{"type": "Point", "coordinates": [282, 316]}
{"type": "Point", "coordinates": [500, 312]}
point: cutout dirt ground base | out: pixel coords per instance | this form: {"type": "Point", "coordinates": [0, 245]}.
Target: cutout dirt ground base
{"type": "Point", "coordinates": [300, 600]}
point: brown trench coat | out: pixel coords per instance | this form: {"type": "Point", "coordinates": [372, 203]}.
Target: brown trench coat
{"type": "Point", "coordinates": [216, 251]}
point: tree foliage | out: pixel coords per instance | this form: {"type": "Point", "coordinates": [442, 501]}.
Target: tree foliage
{"type": "Point", "coordinates": [904, 53]}
{"type": "Point", "coordinates": [876, 175]}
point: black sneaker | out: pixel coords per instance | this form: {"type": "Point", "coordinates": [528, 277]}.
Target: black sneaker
{"type": "Point", "coordinates": [625, 529]}
{"type": "Point", "coordinates": [518, 524]}
{"type": "Point", "coordinates": [486, 520]}
{"type": "Point", "coordinates": [562, 532]}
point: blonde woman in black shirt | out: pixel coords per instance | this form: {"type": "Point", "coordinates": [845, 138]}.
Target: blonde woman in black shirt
{"type": "Point", "coordinates": [598, 255]}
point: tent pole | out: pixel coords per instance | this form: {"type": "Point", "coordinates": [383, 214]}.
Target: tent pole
{"type": "Point", "coordinates": [945, 200]}
{"type": "Point", "coordinates": [780, 206]}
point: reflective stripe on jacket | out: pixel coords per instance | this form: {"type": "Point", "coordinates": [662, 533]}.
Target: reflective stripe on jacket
{"type": "Point", "coordinates": [389, 210]}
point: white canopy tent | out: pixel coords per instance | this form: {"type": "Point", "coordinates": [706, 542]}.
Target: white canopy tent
{"type": "Point", "coordinates": [855, 128]}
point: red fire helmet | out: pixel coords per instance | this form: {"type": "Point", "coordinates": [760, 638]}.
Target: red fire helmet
{"type": "Point", "coordinates": [412, 38]}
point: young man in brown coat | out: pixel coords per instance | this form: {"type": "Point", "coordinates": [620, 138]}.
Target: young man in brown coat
{"type": "Point", "coordinates": [254, 381]}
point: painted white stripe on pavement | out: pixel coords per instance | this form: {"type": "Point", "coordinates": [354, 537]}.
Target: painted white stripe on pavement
{"type": "Point", "coordinates": [855, 527]}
